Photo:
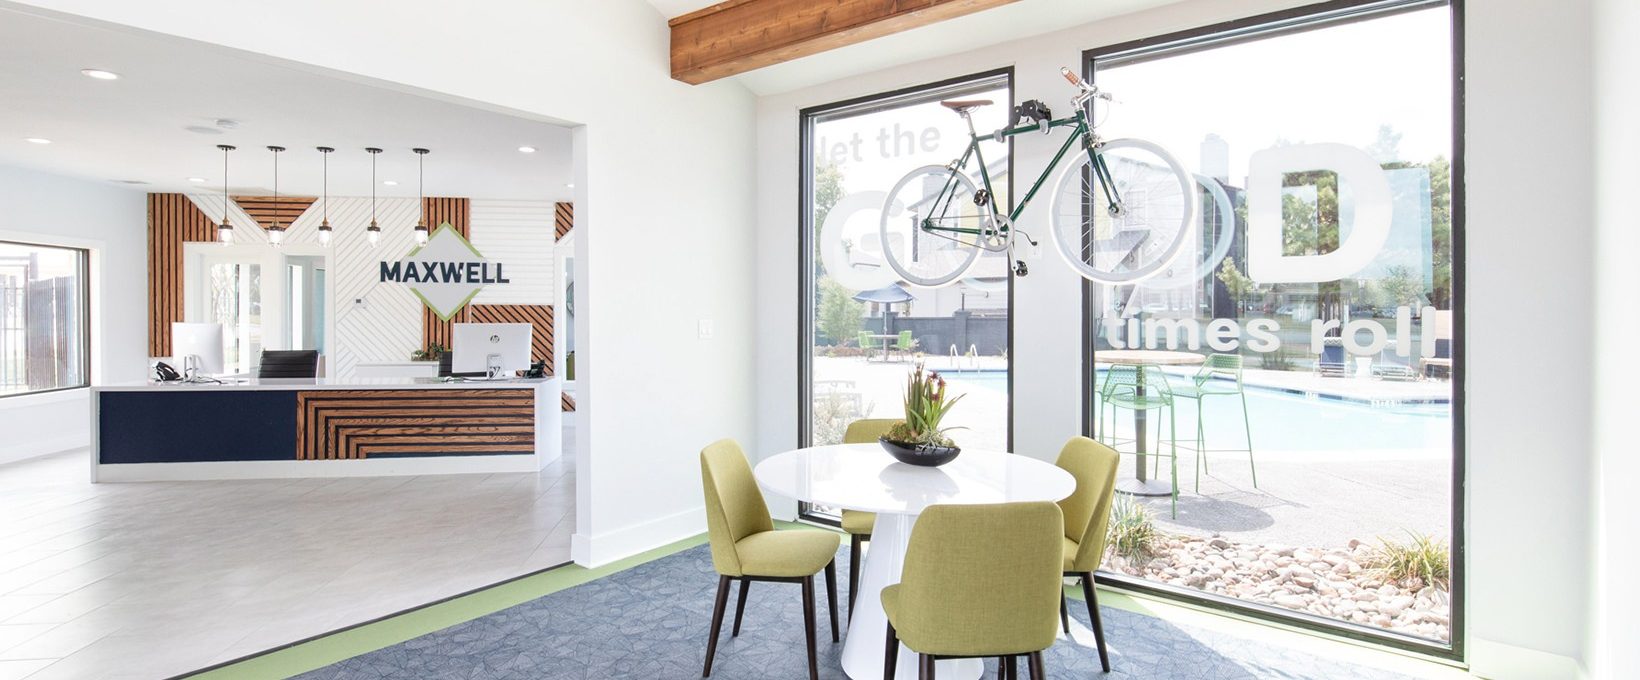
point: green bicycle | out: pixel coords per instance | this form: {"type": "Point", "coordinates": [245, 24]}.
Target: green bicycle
{"type": "Point", "coordinates": [1122, 209]}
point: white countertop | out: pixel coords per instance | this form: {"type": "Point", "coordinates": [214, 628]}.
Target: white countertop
{"type": "Point", "coordinates": [286, 384]}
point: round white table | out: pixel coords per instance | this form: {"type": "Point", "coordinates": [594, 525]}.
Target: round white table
{"type": "Point", "coordinates": [865, 477]}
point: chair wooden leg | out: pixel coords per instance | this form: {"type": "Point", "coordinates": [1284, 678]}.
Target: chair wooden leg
{"type": "Point", "coordinates": [1088, 592]}
{"type": "Point", "coordinates": [740, 606]}
{"type": "Point", "coordinates": [808, 626]}
{"type": "Point", "coordinates": [925, 670]}
{"type": "Point", "coordinates": [1064, 613]}
{"type": "Point", "coordinates": [831, 598]}
{"type": "Point", "coordinates": [854, 541]}
{"type": "Point", "coordinates": [891, 654]}
{"type": "Point", "coordinates": [717, 623]}
{"type": "Point", "coordinates": [1037, 672]}
{"type": "Point", "coordinates": [1013, 668]}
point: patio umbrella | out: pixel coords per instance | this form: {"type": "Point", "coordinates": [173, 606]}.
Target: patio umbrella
{"type": "Point", "coordinates": [886, 295]}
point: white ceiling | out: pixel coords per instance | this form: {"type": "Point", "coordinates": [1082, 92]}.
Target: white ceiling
{"type": "Point", "coordinates": [990, 27]}
{"type": "Point", "coordinates": [132, 129]}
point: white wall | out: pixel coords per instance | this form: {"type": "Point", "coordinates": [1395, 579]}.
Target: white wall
{"type": "Point", "coordinates": [649, 263]}
{"type": "Point", "coordinates": [111, 221]}
{"type": "Point", "coordinates": [1615, 592]}
{"type": "Point", "coordinates": [1528, 122]}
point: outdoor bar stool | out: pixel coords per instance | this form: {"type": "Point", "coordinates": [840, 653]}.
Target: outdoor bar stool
{"type": "Point", "coordinates": [1143, 388]}
{"type": "Point", "coordinates": [858, 524]}
{"type": "Point", "coordinates": [1219, 376]}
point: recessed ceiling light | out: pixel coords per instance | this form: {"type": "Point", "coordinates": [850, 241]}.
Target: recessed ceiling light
{"type": "Point", "coordinates": [37, 140]}
{"type": "Point", "coordinates": [100, 74]}
{"type": "Point", "coordinates": [130, 181]}
{"type": "Point", "coordinates": [203, 130]}
{"type": "Point", "coordinates": [197, 180]}
{"type": "Point", "coordinates": [526, 149]}
{"type": "Point", "coordinates": [390, 183]}
{"type": "Point", "coordinates": [569, 186]}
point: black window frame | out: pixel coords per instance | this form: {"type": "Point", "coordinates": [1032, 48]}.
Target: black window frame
{"type": "Point", "coordinates": [805, 242]}
{"type": "Point", "coordinates": [87, 360]}
{"type": "Point", "coordinates": [1296, 20]}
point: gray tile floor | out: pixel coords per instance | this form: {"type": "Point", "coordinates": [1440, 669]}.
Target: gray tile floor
{"type": "Point", "coordinates": [149, 580]}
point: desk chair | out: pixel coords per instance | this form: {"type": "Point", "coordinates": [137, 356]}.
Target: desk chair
{"type": "Point", "coordinates": [745, 546]}
{"type": "Point", "coordinates": [289, 363]}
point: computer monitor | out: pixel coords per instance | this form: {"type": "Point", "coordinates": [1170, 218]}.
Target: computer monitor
{"type": "Point", "coordinates": [493, 349]}
{"type": "Point", "coordinates": [197, 346]}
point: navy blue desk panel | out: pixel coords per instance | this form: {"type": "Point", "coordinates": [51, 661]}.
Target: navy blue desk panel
{"type": "Point", "coordinates": [192, 426]}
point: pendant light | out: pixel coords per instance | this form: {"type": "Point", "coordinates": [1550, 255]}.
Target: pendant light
{"type": "Point", "coordinates": [224, 231]}
{"type": "Point", "coordinates": [373, 232]}
{"type": "Point", "coordinates": [276, 232]}
{"type": "Point", "coordinates": [324, 224]}
{"type": "Point", "coordinates": [421, 221]}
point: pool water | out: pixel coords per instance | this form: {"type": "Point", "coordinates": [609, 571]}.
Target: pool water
{"type": "Point", "coordinates": [1283, 420]}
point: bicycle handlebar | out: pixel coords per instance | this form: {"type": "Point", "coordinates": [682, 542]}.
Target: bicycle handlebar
{"type": "Point", "coordinates": [1070, 77]}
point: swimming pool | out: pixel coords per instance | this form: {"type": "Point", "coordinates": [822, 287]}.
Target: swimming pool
{"type": "Point", "coordinates": [1283, 420]}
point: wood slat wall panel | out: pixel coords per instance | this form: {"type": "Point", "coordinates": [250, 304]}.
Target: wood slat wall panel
{"type": "Point", "coordinates": [563, 220]}
{"type": "Point", "coordinates": [457, 212]}
{"type": "Point", "coordinates": [264, 209]}
{"type": "Point", "coordinates": [538, 316]}
{"type": "Point", "coordinates": [173, 219]}
{"type": "Point", "coordinates": [349, 424]}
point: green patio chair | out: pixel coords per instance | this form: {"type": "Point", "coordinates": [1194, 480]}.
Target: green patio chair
{"type": "Point", "coordinates": [1219, 376]}
{"type": "Point", "coordinates": [866, 343]}
{"type": "Point", "coordinates": [1143, 388]}
{"type": "Point", "coordinates": [905, 344]}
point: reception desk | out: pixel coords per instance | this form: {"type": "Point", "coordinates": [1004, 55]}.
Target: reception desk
{"type": "Point", "coordinates": [320, 428]}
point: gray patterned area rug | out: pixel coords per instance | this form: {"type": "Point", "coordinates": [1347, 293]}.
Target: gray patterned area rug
{"type": "Point", "coordinates": [651, 621]}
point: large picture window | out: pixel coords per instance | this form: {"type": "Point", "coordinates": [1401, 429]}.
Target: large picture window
{"type": "Point", "coordinates": [863, 327]}
{"type": "Point", "coordinates": [43, 329]}
{"type": "Point", "coordinates": [1294, 368]}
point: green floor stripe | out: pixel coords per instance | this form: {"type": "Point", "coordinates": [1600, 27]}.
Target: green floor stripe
{"type": "Point", "coordinates": [334, 647]}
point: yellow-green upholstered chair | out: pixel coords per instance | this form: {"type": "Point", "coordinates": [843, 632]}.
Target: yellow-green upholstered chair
{"type": "Point", "coordinates": [1087, 518]}
{"type": "Point", "coordinates": [858, 524]}
{"type": "Point", "coordinates": [978, 581]}
{"type": "Point", "coordinates": [746, 548]}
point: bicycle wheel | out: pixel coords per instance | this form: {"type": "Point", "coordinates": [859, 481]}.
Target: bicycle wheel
{"type": "Point", "coordinates": [931, 229]}
{"type": "Point", "coordinates": [1158, 202]}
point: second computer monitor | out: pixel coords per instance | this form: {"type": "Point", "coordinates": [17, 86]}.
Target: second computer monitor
{"type": "Point", "coordinates": [197, 346]}
{"type": "Point", "coordinates": [479, 346]}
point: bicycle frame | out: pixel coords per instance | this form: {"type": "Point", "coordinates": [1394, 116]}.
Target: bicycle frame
{"type": "Point", "coordinates": [1082, 133]}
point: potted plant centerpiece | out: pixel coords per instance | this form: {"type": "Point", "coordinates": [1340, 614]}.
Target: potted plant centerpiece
{"type": "Point", "coordinates": [919, 439]}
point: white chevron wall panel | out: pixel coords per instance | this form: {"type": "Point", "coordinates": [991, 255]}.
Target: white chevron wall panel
{"type": "Point", "coordinates": [520, 235]}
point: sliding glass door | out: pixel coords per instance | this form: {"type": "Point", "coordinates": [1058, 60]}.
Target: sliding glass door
{"type": "Point", "coordinates": [863, 328]}
{"type": "Point", "coordinates": [1314, 422]}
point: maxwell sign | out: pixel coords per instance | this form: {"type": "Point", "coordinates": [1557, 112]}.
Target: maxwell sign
{"type": "Point", "coordinates": [446, 273]}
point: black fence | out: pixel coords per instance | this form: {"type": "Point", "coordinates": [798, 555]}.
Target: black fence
{"type": "Point", "coordinates": [937, 334]}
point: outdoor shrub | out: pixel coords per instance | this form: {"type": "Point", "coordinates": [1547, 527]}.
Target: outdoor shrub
{"type": "Point", "coordinates": [1132, 534]}
{"type": "Point", "coordinates": [1424, 557]}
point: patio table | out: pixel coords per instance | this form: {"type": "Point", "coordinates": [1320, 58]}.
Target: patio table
{"type": "Point", "coordinates": [1141, 484]}
{"type": "Point", "coordinates": [888, 341]}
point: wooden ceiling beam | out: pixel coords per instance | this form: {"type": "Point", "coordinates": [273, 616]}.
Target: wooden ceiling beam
{"type": "Point", "coordinates": [737, 36]}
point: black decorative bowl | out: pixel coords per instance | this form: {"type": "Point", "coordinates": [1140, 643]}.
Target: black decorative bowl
{"type": "Point", "coordinates": [926, 455]}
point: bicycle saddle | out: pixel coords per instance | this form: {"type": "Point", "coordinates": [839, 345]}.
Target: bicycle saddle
{"type": "Point", "coordinates": [961, 105]}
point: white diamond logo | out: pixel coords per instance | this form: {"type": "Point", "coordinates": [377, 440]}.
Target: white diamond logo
{"type": "Point", "coordinates": [446, 273]}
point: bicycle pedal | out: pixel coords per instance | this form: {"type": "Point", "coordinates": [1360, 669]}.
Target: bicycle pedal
{"type": "Point", "coordinates": [982, 197]}
{"type": "Point", "coordinates": [1020, 269]}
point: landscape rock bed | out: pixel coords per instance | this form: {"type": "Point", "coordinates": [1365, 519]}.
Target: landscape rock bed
{"type": "Point", "coordinates": [1330, 582]}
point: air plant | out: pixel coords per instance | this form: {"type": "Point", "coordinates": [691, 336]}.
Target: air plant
{"type": "Point", "coordinates": [925, 406]}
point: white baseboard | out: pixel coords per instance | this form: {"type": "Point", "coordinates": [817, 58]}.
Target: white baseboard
{"type": "Point", "coordinates": [297, 469]}
{"type": "Point", "coordinates": [1500, 661]}
{"type": "Point", "coordinates": [12, 453]}
{"type": "Point", "coordinates": [601, 549]}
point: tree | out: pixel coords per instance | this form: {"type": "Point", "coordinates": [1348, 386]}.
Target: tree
{"type": "Point", "coordinates": [1387, 148]}
{"type": "Point", "coordinates": [1440, 223]}
{"type": "Point", "coordinates": [828, 189]}
{"type": "Point", "coordinates": [1238, 284]}
{"type": "Point", "coordinates": [841, 316]}
{"type": "Point", "coordinates": [1400, 285]}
